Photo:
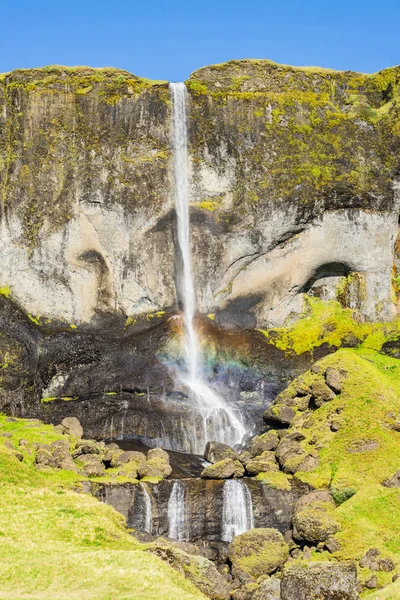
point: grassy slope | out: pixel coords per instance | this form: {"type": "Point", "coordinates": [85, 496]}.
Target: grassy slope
{"type": "Point", "coordinates": [56, 543]}
{"type": "Point", "coordinates": [368, 406]}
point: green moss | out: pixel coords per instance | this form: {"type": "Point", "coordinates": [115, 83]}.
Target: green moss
{"type": "Point", "coordinates": [329, 323]}
{"type": "Point", "coordinates": [5, 291]}
{"type": "Point", "coordinates": [276, 479]}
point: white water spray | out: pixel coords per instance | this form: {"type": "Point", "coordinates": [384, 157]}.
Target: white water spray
{"type": "Point", "coordinates": [237, 510]}
{"type": "Point", "coordinates": [219, 420]}
{"type": "Point", "coordinates": [176, 512]}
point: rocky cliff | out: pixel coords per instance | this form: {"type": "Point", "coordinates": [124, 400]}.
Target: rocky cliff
{"type": "Point", "coordinates": [294, 185]}
{"type": "Point", "coordinates": [294, 176]}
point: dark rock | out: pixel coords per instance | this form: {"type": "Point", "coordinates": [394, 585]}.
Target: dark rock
{"type": "Point", "coordinates": [268, 589]}
{"type": "Point", "coordinates": [264, 442]}
{"type": "Point", "coordinates": [372, 560]}
{"type": "Point", "coordinates": [257, 552]}
{"type": "Point", "coordinates": [334, 379]}
{"type": "Point", "coordinates": [313, 519]}
{"type": "Point", "coordinates": [289, 454]}
{"type": "Point", "coordinates": [245, 457]}
{"type": "Point", "coordinates": [215, 451]}
{"type": "Point", "coordinates": [200, 571]}
{"type": "Point", "coordinates": [265, 462]}
{"type": "Point", "coordinates": [320, 581]}
{"type": "Point", "coordinates": [321, 392]}
{"type": "Point", "coordinates": [332, 544]}
{"type": "Point", "coordinates": [44, 458]}
{"type": "Point", "coordinates": [371, 583]}
{"type": "Point", "coordinates": [129, 456]}
{"type": "Point", "coordinates": [284, 415]}
{"type": "Point", "coordinates": [92, 465]}
{"type": "Point", "coordinates": [155, 467]}
{"type": "Point", "coordinates": [224, 469]}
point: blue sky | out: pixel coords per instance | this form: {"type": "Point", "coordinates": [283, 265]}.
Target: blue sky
{"type": "Point", "coordinates": [168, 39]}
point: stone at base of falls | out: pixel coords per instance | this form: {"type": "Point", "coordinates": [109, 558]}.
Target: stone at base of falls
{"type": "Point", "coordinates": [72, 426]}
{"type": "Point", "coordinates": [199, 570]}
{"type": "Point", "coordinates": [122, 458]}
{"type": "Point", "coordinates": [92, 465]}
{"type": "Point", "coordinates": [260, 464]}
{"type": "Point", "coordinates": [257, 552]}
{"type": "Point", "coordinates": [223, 469]}
{"type": "Point", "coordinates": [313, 519]}
{"type": "Point", "coordinates": [320, 581]}
{"type": "Point", "coordinates": [264, 442]}
{"type": "Point", "coordinates": [283, 415]}
{"type": "Point", "coordinates": [216, 451]}
{"type": "Point", "coordinates": [268, 589]}
{"type": "Point", "coordinates": [155, 467]}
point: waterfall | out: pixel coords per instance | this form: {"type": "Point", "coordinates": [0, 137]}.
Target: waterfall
{"type": "Point", "coordinates": [237, 510]}
{"type": "Point", "coordinates": [219, 422]}
{"type": "Point", "coordinates": [176, 513]}
{"type": "Point", "coordinates": [148, 510]}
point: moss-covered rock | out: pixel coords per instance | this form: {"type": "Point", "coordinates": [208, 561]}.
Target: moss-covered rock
{"type": "Point", "coordinates": [320, 581]}
{"type": "Point", "coordinates": [264, 462]}
{"type": "Point", "coordinates": [313, 519]}
{"type": "Point", "coordinates": [200, 571]}
{"type": "Point", "coordinates": [257, 552]}
{"type": "Point", "coordinates": [224, 469]}
{"type": "Point", "coordinates": [155, 467]}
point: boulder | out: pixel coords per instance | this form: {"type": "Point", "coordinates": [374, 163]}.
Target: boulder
{"type": "Point", "coordinates": [334, 379]}
{"type": "Point", "coordinates": [284, 415]}
{"type": "Point", "coordinates": [155, 467]}
{"type": "Point", "coordinates": [262, 443]}
{"type": "Point", "coordinates": [224, 469]}
{"type": "Point", "coordinates": [393, 481]}
{"type": "Point", "coordinates": [313, 519]}
{"type": "Point", "coordinates": [321, 393]}
{"type": "Point", "coordinates": [373, 561]}
{"type": "Point", "coordinates": [265, 462]}
{"type": "Point", "coordinates": [130, 456]}
{"type": "Point", "coordinates": [92, 465]}
{"type": "Point", "coordinates": [72, 426]}
{"type": "Point", "coordinates": [245, 457]}
{"type": "Point", "coordinates": [269, 589]}
{"type": "Point", "coordinates": [257, 552]}
{"type": "Point", "coordinates": [44, 458]}
{"type": "Point", "coordinates": [215, 451]}
{"type": "Point", "coordinates": [320, 581]}
{"type": "Point", "coordinates": [157, 453]}
{"type": "Point", "coordinates": [199, 570]}
{"type": "Point", "coordinates": [289, 454]}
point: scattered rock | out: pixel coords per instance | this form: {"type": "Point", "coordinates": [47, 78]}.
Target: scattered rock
{"type": "Point", "coordinates": [199, 570]}
{"type": "Point", "coordinates": [245, 457]}
{"type": "Point", "coordinates": [9, 445]}
{"type": "Point", "coordinates": [334, 379]}
{"type": "Point", "coordinates": [157, 453]}
{"type": "Point", "coordinates": [215, 451]}
{"type": "Point", "coordinates": [269, 589]}
{"type": "Point", "coordinates": [289, 454]}
{"type": "Point", "coordinates": [122, 459]}
{"type": "Point", "coordinates": [265, 462]}
{"type": "Point", "coordinates": [7, 434]}
{"type": "Point", "coordinates": [371, 583]}
{"type": "Point", "coordinates": [320, 581]}
{"type": "Point", "coordinates": [23, 442]}
{"type": "Point", "coordinates": [393, 481]}
{"type": "Point", "coordinates": [224, 469]}
{"type": "Point", "coordinates": [155, 467]}
{"type": "Point", "coordinates": [363, 446]}
{"type": "Point", "coordinates": [10, 420]}
{"type": "Point", "coordinates": [313, 519]}
{"type": "Point", "coordinates": [44, 458]}
{"type": "Point", "coordinates": [309, 463]}
{"type": "Point", "coordinates": [373, 561]}
{"type": "Point", "coordinates": [321, 393]}
{"type": "Point", "coordinates": [92, 465]}
{"type": "Point", "coordinates": [257, 552]}
{"type": "Point", "coordinates": [72, 426]}
{"type": "Point", "coordinates": [262, 443]}
{"type": "Point", "coordinates": [284, 415]}
{"type": "Point", "coordinates": [332, 545]}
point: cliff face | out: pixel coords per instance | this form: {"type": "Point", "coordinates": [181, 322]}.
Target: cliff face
{"type": "Point", "coordinates": [294, 186]}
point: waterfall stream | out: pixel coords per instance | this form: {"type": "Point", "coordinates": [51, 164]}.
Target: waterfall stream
{"type": "Point", "coordinates": [148, 510]}
{"type": "Point", "coordinates": [237, 511]}
{"type": "Point", "coordinates": [218, 421]}
{"type": "Point", "coordinates": [177, 513]}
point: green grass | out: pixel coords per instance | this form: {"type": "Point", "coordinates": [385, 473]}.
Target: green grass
{"type": "Point", "coordinates": [57, 543]}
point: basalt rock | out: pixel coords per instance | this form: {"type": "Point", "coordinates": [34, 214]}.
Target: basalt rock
{"type": "Point", "coordinates": [224, 469]}
{"type": "Point", "coordinates": [257, 552]}
{"type": "Point", "coordinates": [320, 581]}
{"type": "Point", "coordinates": [264, 462]}
{"type": "Point", "coordinates": [215, 451]}
{"type": "Point", "coordinates": [313, 519]}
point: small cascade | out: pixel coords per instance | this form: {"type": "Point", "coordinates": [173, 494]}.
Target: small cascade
{"type": "Point", "coordinates": [237, 510]}
{"type": "Point", "coordinates": [209, 405]}
{"type": "Point", "coordinates": [176, 513]}
{"type": "Point", "coordinates": [148, 509]}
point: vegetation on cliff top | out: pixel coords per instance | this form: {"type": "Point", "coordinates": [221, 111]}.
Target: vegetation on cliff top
{"type": "Point", "coordinates": [57, 543]}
